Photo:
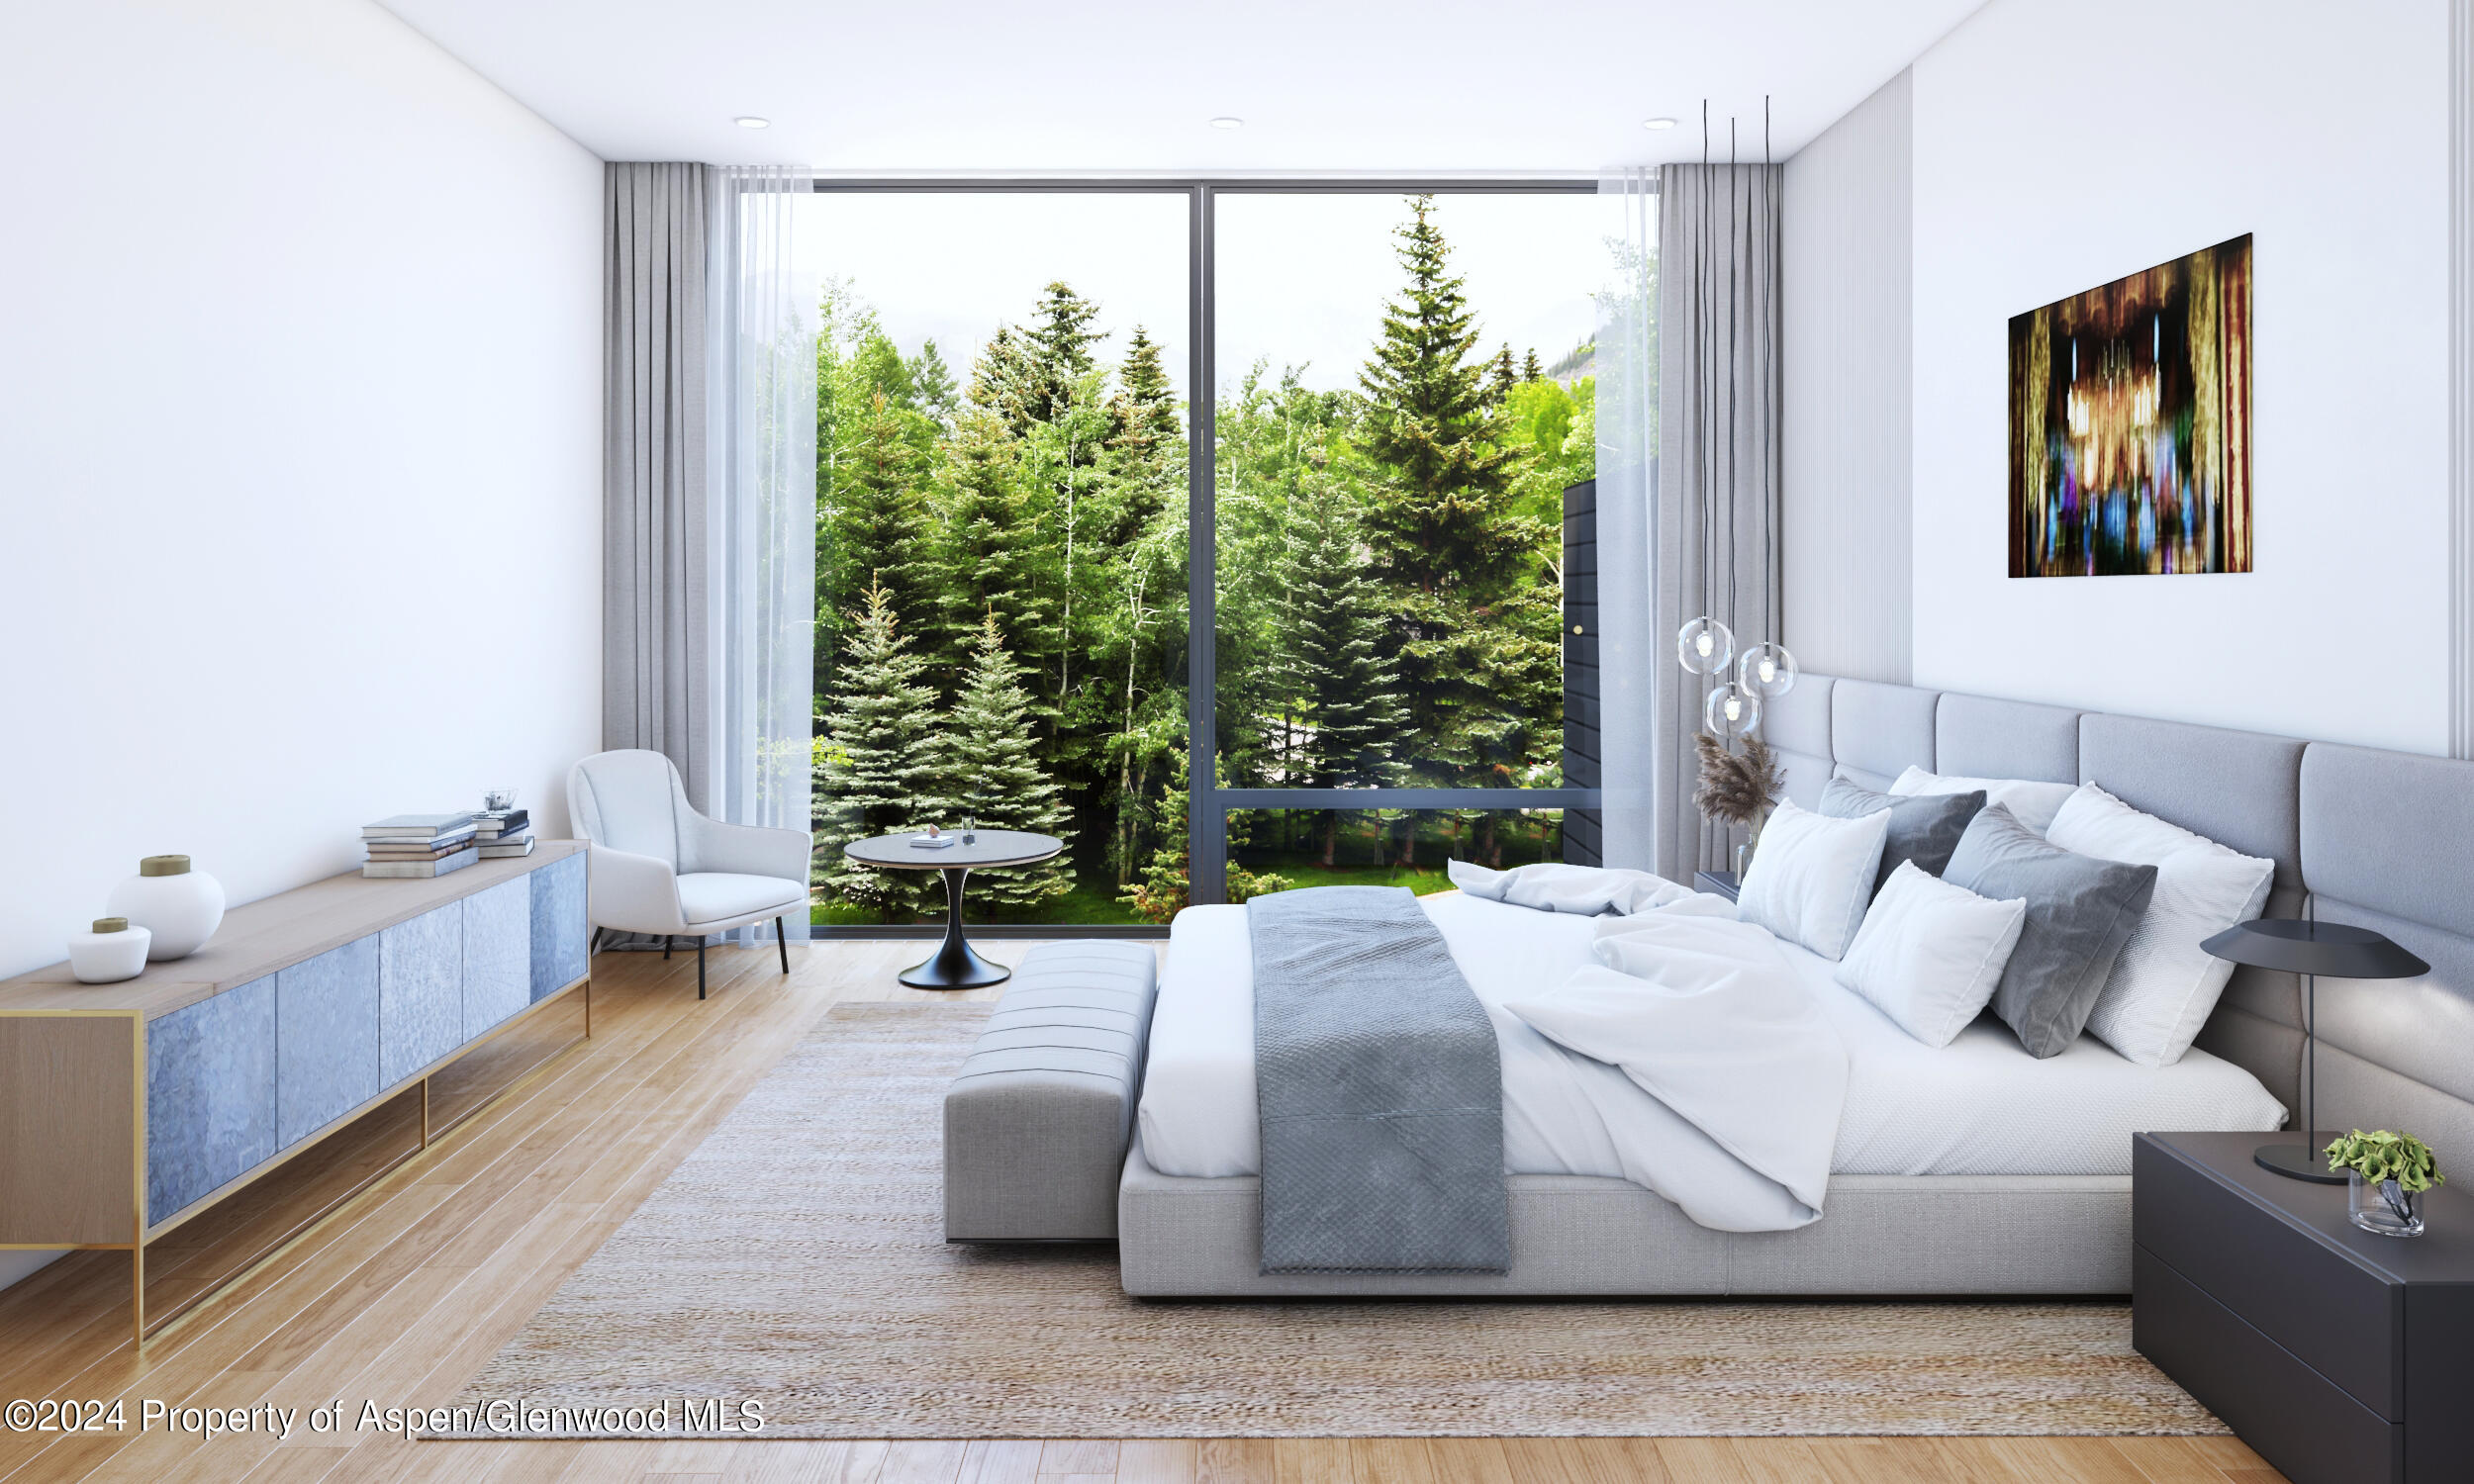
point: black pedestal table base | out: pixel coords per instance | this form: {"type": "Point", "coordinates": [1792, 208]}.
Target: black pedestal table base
{"type": "Point", "coordinates": [956, 964]}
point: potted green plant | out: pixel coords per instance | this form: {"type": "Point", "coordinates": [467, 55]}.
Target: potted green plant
{"type": "Point", "coordinates": [2385, 1177]}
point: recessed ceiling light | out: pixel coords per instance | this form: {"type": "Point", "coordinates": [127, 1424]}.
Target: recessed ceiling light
{"type": "Point", "coordinates": [751, 121]}
{"type": "Point", "coordinates": [1227, 123]}
{"type": "Point", "coordinates": [1658, 123]}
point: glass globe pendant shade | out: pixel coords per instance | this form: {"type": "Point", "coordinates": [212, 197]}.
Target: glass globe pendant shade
{"type": "Point", "coordinates": [1732, 711]}
{"type": "Point", "coordinates": [1705, 646]}
{"type": "Point", "coordinates": [1767, 671]}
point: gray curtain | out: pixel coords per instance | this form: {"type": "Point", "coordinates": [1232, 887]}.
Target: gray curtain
{"type": "Point", "coordinates": [656, 639]}
{"type": "Point", "coordinates": [1716, 510]}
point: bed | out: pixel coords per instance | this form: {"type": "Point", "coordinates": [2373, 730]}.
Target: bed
{"type": "Point", "coordinates": [1972, 1168]}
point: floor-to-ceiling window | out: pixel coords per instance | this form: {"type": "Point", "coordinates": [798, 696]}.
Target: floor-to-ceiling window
{"type": "Point", "coordinates": [1405, 394]}
{"type": "Point", "coordinates": [1375, 404]}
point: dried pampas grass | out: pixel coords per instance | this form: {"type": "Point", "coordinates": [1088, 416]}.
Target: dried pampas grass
{"type": "Point", "coordinates": [1736, 786]}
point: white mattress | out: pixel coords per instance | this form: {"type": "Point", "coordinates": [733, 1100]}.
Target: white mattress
{"type": "Point", "coordinates": [1980, 1106]}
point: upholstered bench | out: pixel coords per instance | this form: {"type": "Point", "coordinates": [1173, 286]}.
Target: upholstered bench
{"type": "Point", "coordinates": [1038, 1120]}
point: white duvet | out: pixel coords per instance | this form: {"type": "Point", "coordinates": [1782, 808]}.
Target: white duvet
{"type": "Point", "coordinates": [1980, 1106]}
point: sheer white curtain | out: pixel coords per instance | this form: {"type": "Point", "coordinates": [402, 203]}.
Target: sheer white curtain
{"type": "Point", "coordinates": [762, 482]}
{"type": "Point", "coordinates": [1629, 652]}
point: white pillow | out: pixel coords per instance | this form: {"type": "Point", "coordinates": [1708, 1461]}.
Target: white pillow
{"type": "Point", "coordinates": [1811, 877]}
{"type": "Point", "coordinates": [1929, 953]}
{"type": "Point", "coordinates": [2032, 803]}
{"type": "Point", "coordinates": [2164, 984]}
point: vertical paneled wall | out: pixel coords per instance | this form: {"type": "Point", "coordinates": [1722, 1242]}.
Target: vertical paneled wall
{"type": "Point", "coordinates": [1847, 427]}
{"type": "Point", "coordinates": [1583, 842]}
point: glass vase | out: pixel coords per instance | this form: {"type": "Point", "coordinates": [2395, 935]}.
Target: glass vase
{"type": "Point", "coordinates": [2383, 1206]}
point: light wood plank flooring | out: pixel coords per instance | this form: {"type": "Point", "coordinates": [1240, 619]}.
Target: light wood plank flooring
{"type": "Point", "coordinates": [405, 1293]}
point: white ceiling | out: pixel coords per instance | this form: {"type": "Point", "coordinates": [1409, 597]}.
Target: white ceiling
{"type": "Point", "coordinates": [1093, 86]}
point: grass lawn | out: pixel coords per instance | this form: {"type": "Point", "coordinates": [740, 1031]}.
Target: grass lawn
{"type": "Point", "coordinates": [1093, 901]}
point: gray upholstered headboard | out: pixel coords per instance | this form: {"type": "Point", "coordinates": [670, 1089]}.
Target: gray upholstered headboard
{"type": "Point", "coordinates": [2383, 839]}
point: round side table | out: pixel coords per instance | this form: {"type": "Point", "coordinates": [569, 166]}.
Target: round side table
{"type": "Point", "coordinates": [955, 965]}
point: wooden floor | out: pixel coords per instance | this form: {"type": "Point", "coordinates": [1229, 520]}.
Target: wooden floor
{"type": "Point", "coordinates": [407, 1291]}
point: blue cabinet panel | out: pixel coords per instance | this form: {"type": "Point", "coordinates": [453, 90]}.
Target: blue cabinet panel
{"type": "Point", "coordinates": [209, 1094]}
{"type": "Point", "coordinates": [561, 938]}
{"type": "Point", "coordinates": [498, 955]}
{"type": "Point", "coordinates": [326, 1039]}
{"type": "Point", "coordinates": [420, 992]}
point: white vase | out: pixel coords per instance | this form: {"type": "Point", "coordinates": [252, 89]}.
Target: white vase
{"type": "Point", "coordinates": [180, 907]}
{"type": "Point", "coordinates": [113, 952]}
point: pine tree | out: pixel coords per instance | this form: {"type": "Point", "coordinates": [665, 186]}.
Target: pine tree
{"type": "Point", "coordinates": [1057, 349]}
{"type": "Point", "coordinates": [988, 542]}
{"type": "Point", "coordinates": [994, 775]}
{"type": "Point", "coordinates": [933, 383]}
{"type": "Point", "coordinates": [1002, 381]}
{"type": "Point", "coordinates": [876, 528]}
{"type": "Point", "coordinates": [1529, 369]}
{"type": "Point", "coordinates": [876, 764]}
{"type": "Point", "coordinates": [1443, 517]}
{"type": "Point", "coordinates": [1146, 443]}
{"type": "Point", "coordinates": [1502, 376]}
{"type": "Point", "coordinates": [1147, 417]}
{"type": "Point", "coordinates": [1328, 665]}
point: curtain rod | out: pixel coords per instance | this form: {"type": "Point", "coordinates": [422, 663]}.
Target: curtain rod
{"type": "Point", "coordinates": [1164, 184]}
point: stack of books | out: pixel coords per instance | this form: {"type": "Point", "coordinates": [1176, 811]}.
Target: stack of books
{"type": "Point", "coordinates": [419, 845]}
{"type": "Point", "coordinates": [505, 834]}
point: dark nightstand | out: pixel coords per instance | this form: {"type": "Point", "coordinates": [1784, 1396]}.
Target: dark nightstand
{"type": "Point", "coordinates": [2338, 1355]}
{"type": "Point", "coordinates": [1723, 882]}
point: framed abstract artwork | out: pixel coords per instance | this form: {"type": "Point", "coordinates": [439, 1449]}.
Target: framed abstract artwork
{"type": "Point", "coordinates": [2130, 424]}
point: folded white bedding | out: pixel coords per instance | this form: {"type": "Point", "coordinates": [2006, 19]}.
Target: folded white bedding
{"type": "Point", "coordinates": [1980, 1106]}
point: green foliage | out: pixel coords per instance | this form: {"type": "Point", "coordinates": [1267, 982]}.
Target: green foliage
{"type": "Point", "coordinates": [1049, 500]}
{"type": "Point", "coordinates": [1388, 604]}
{"type": "Point", "coordinates": [1343, 701]}
{"type": "Point", "coordinates": [993, 775]}
{"type": "Point", "coordinates": [876, 763]}
{"type": "Point", "coordinates": [1163, 891]}
{"type": "Point", "coordinates": [1473, 623]}
{"type": "Point", "coordinates": [988, 545]}
{"type": "Point", "coordinates": [2382, 1156]}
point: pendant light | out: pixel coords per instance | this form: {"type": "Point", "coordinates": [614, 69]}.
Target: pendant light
{"type": "Point", "coordinates": [1705, 646]}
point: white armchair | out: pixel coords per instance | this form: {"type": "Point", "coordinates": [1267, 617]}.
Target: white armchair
{"type": "Point", "coordinates": [660, 866]}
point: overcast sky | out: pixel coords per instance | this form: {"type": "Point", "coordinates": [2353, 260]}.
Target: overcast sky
{"type": "Point", "coordinates": [1301, 278]}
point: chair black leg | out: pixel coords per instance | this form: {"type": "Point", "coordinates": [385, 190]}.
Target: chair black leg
{"type": "Point", "coordinates": [782, 941]}
{"type": "Point", "coordinates": [665, 947]}
{"type": "Point", "coordinates": [700, 965]}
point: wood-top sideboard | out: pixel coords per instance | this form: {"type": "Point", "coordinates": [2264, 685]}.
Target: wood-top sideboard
{"type": "Point", "coordinates": [129, 1110]}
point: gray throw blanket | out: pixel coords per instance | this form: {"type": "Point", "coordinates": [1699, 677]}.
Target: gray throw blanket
{"type": "Point", "coordinates": [1380, 1090]}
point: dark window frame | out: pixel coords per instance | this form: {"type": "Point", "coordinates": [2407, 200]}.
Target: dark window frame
{"type": "Point", "coordinates": [1208, 804]}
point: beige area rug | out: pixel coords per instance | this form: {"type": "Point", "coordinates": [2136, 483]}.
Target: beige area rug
{"type": "Point", "coordinates": [797, 1259]}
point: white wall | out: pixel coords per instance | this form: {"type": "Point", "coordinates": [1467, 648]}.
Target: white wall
{"type": "Point", "coordinates": [1845, 263]}
{"type": "Point", "coordinates": [2062, 144]}
{"type": "Point", "coordinates": [299, 391]}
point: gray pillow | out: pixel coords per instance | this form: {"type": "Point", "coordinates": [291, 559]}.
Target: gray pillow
{"type": "Point", "coordinates": [1924, 827]}
{"type": "Point", "coordinates": [2080, 911]}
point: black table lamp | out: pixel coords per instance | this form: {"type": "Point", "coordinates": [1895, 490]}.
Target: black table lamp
{"type": "Point", "coordinates": [2312, 949]}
